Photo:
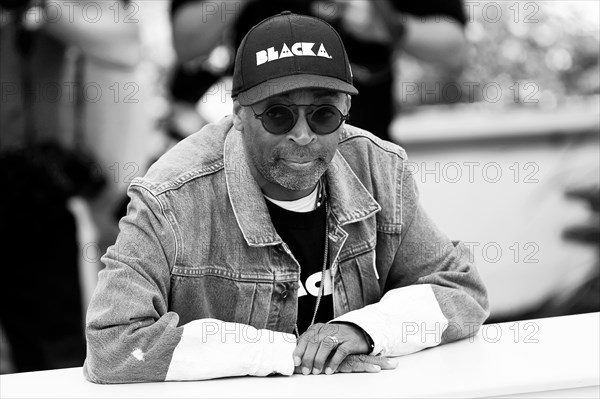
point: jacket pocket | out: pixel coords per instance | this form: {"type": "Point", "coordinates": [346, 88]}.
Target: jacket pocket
{"type": "Point", "coordinates": [214, 293]}
{"type": "Point", "coordinates": [358, 276]}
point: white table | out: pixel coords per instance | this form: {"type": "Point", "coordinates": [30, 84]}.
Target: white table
{"type": "Point", "coordinates": [553, 357]}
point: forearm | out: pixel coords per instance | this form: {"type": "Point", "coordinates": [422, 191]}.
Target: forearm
{"type": "Point", "coordinates": [136, 352]}
{"type": "Point", "coordinates": [132, 333]}
{"type": "Point", "coordinates": [202, 349]}
{"type": "Point", "coordinates": [211, 348]}
{"type": "Point", "coordinates": [437, 308]}
{"type": "Point", "coordinates": [198, 27]}
{"type": "Point", "coordinates": [436, 40]}
{"type": "Point", "coordinates": [406, 320]}
{"type": "Point", "coordinates": [131, 337]}
{"type": "Point", "coordinates": [434, 293]}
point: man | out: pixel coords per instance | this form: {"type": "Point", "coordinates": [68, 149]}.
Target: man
{"type": "Point", "coordinates": [275, 223]}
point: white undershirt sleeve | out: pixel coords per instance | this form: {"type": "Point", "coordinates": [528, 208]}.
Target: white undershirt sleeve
{"type": "Point", "coordinates": [404, 321]}
{"type": "Point", "coordinates": [211, 348]}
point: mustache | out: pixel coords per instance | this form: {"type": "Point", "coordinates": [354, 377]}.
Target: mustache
{"type": "Point", "coordinates": [300, 152]}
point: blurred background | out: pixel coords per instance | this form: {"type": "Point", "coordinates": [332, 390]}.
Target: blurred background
{"type": "Point", "coordinates": [496, 103]}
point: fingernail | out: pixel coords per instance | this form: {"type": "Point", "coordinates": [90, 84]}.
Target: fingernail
{"type": "Point", "coordinates": [328, 371]}
{"type": "Point", "coordinates": [316, 371]}
{"type": "Point", "coordinates": [297, 361]}
{"type": "Point", "coordinates": [393, 363]}
{"type": "Point", "coordinates": [305, 371]}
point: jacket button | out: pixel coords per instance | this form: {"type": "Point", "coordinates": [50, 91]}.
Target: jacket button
{"type": "Point", "coordinates": [284, 294]}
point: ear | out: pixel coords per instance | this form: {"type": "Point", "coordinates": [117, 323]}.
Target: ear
{"type": "Point", "coordinates": [238, 110]}
{"type": "Point", "coordinates": [348, 102]}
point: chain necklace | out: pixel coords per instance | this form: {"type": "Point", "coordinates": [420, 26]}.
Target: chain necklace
{"type": "Point", "coordinates": [322, 196]}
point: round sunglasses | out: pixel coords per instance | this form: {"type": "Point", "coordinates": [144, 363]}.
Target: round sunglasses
{"type": "Point", "coordinates": [322, 119]}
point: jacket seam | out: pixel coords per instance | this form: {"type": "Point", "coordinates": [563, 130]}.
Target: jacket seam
{"type": "Point", "coordinates": [162, 210]}
{"type": "Point", "coordinates": [400, 197]}
{"type": "Point", "coordinates": [180, 180]}
{"type": "Point", "coordinates": [388, 228]}
{"type": "Point", "coordinates": [255, 280]}
{"type": "Point", "coordinates": [403, 228]}
{"type": "Point", "coordinates": [401, 153]}
{"type": "Point", "coordinates": [357, 250]}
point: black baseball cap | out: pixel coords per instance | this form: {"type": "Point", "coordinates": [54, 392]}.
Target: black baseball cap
{"type": "Point", "coordinates": [286, 52]}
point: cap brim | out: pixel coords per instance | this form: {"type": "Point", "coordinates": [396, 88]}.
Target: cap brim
{"type": "Point", "coordinates": [288, 83]}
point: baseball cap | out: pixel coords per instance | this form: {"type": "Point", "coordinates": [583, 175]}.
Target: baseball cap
{"type": "Point", "coordinates": [286, 52]}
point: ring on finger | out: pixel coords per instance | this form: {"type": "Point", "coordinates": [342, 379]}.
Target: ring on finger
{"type": "Point", "coordinates": [334, 340]}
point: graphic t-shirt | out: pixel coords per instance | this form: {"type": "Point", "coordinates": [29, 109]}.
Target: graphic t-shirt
{"type": "Point", "coordinates": [304, 233]}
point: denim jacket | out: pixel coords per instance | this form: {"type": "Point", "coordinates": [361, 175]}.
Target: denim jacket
{"type": "Point", "coordinates": [200, 285]}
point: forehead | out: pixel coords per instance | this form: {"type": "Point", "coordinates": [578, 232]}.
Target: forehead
{"type": "Point", "coordinates": [306, 96]}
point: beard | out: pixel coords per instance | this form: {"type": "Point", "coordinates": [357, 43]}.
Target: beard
{"type": "Point", "coordinates": [277, 171]}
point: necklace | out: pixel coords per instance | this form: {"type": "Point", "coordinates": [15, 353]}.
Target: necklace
{"type": "Point", "coordinates": [321, 196]}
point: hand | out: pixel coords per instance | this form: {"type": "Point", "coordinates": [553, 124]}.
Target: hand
{"type": "Point", "coordinates": [315, 347]}
{"type": "Point", "coordinates": [366, 364]}
{"type": "Point", "coordinates": [363, 364]}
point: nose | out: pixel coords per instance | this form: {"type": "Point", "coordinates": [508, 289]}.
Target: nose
{"type": "Point", "coordinates": [301, 133]}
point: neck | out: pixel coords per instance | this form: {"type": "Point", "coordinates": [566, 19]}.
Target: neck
{"type": "Point", "coordinates": [283, 194]}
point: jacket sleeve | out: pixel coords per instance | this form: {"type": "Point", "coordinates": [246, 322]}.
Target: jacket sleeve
{"type": "Point", "coordinates": [433, 292]}
{"type": "Point", "coordinates": [133, 337]}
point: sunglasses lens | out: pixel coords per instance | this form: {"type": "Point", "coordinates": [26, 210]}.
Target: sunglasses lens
{"type": "Point", "coordinates": [278, 119]}
{"type": "Point", "coordinates": [325, 119]}
{"type": "Point", "coordinates": [322, 119]}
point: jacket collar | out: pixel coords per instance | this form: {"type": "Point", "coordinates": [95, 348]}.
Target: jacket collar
{"type": "Point", "coordinates": [349, 200]}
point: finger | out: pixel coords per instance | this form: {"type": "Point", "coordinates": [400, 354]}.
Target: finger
{"type": "Point", "coordinates": [299, 350]}
{"type": "Point", "coordinates": [383, 362]}
{"type": "Point", "coordinates": [309, 356]}
{"type": "Point", "coordinates": [303, 341]}
{"type": "Point", "coordinates": [360, 368]}
{"type": "Point", "coordinates": [338, 357]}
{"type": "Point", "coordinates": [349, 365]}
{"type": "Point", "coordinates": [354, 364]}
{"type": "Point", "coordinates": [346, 367]}
{"type": "Point", "coordinates": [328, 346]}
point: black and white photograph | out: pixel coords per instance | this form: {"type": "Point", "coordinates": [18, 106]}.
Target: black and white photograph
{"type": "Point", "coordinates": [300, 199]}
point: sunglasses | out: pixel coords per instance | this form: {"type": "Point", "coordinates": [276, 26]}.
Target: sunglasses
{"type": "Point", "coordinates": [322, 119]}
